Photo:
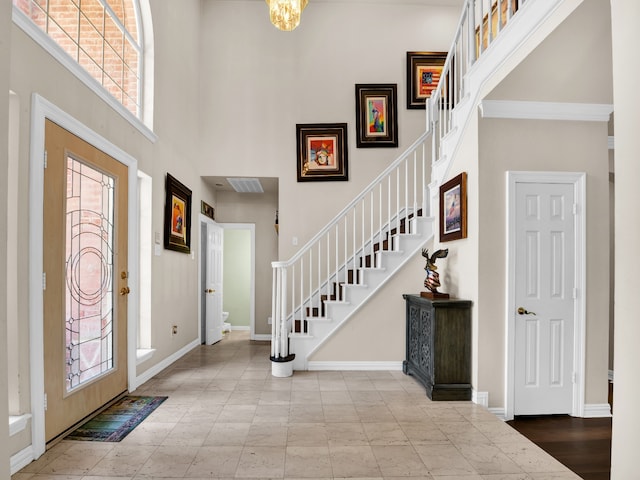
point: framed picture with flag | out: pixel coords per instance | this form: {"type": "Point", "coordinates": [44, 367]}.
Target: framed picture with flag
{"type": "Point", "coordinates": [424, 70]}
{"type": "Point", "coordinates": [376, 115]}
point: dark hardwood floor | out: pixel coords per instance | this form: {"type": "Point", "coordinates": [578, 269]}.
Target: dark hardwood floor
{"type": "Point", "coordinates": [582, 444]}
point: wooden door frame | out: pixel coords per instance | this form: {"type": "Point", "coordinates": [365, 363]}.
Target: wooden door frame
{"type": "Point", "coordinates": [579, 180]}
{"type": "Point", "coordinates": [42, 109]}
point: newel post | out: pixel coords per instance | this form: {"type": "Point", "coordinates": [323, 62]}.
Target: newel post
{"type": "Point", "coordinates": [282, 361]}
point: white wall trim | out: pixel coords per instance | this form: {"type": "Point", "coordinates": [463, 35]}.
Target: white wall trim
{"type": "Point", "coordinates": [597, 410]}
{"type": "Point", "coordinates": [610, 375]}
{"type": "Point", "coordinates": [51, 47]}
{"type": "Point", "coordinates": [158, 367]}
{"type": "Point", "coordinates": [611, 142]}
{"type": "Point", "coordinates": [498, 412]}
{"type": "Point", "coordinates": [21, 459]}
{"type": "Point", "coordinates": [144, 354]}
{"type": "Point", "coordinates": [368, 366]}
{"type": "Point", "coordinates": [41, 110]}
{"type": "Point", "coordinates": [480, 398]}
{"type": "Point", "coordinates": [578, 179]}
{"type": "Point", "coordinates": [18, 423]}
{"type": "Point", "coordinates": [261, 337]}
{"type": "Point", "coordinates": [588, 112]}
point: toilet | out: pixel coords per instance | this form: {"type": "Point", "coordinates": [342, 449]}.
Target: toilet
{"type": "Point", "coordinates": [226, 326]}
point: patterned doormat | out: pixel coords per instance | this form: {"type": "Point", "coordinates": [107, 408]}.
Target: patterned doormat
{"type": "Point", "coordinates": [117, 421]}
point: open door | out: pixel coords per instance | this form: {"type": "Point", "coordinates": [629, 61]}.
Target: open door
{"type": "Point", "coordinates": [212, 277]}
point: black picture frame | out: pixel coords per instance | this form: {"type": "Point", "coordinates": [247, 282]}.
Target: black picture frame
{"type": "Point", "coordinates": [177, 216]}
{"type": "Point", "coordinates": [424, 70]}
{"type": "Point", "coordinates": [376, 115]}
{"type": "Point", "coordinates": [322, 153]}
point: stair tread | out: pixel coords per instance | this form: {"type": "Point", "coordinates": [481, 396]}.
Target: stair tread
{"type": "Point", "coordinates": [300, 335]}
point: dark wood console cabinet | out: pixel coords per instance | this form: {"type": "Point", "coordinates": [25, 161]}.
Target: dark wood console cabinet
{"type": "Point", "coordinates": [439, 346]}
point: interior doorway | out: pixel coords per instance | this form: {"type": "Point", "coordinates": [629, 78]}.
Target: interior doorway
{"type": "Point", "coordinates": [239, 276]}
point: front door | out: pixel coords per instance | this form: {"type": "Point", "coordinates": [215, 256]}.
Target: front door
{"type": "Point", "coordinates": [544, 303]}
{"type": "Point", "coordinates": [85, 285]}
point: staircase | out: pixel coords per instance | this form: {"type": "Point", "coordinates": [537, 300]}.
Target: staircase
{"type": "Point", "coordinates": [355, 254]}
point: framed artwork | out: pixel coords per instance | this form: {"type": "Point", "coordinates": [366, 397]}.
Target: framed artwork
{"type": "Point", "coordinates": [453, 208]}
{"type": "Point", "coordinates": [177, 216]}
{"type": "Point", "coordinates": [207, 210]}
{"type": "Point", "coordinates": [322, 152]}
{"type": "Point", "coordinates": [424, 70]}
{"type": "Point", "coordinates": [376, 115]}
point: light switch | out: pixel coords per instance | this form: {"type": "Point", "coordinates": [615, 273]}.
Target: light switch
{"type": "Point", "coordinates": [157, 238]}
{"type": "Point", "coordinates": [295, 241]}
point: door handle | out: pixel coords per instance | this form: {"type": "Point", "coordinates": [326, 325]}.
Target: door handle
{"type": "Point", "coordinates": [522, 311]}
{"type": "Point", "coordinates": [209, 290]}
{"type": "Point", "coordinates": [125, 291]}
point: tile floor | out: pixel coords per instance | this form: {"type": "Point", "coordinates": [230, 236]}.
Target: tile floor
{"type": "Point", "coordinates": [227, 417]}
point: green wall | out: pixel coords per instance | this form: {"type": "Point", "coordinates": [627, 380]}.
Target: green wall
{"type": "Point", "coordinates": [236, 279]}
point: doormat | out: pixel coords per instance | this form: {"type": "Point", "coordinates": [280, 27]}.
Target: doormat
{"type": "Point", "coordinates": [117, 421]}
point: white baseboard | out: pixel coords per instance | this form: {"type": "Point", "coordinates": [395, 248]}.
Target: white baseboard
{"type": "Point", "coordinates": [499, 412]}
{"type": "Point", "coordinates": [593, 410]}
{"type": "Point", "coordinates": [370, 366]}
{"type": "Point", "coordinates": [263, 337]}
{"type": "Point", "coordinates": [597, 410]}
{"type": "Point", "coordinates": [21, 459]}
{"type": "Point", "coordinates": [153, 371]}
{"type": "Point", "coordinates": [240, 327]}
{"type": "Point", "coordinates": [480, 398]}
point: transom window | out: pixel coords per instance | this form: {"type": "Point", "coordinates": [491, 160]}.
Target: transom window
{"type": "Point", "coordinates": [103, 36]}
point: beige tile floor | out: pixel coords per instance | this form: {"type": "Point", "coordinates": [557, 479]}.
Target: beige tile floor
{"type": "Point", "coordinates": [227, 417]}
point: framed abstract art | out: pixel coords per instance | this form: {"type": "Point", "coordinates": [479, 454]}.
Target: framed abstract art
{"type": "Point", "coordinates": [376, 115]}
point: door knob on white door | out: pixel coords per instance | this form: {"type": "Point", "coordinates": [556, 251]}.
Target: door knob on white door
{"type": "Point", "coordinates": [209, 290]}
{"type": "Point", "coordinates": [522, 311]}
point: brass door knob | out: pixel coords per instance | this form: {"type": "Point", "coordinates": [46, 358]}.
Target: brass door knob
{"type": "Point", "coordinates": [125, 291]}
{"type": "Point", "coordinates": [209, 290]}
{"type": "Point", "coordinates": [522, 311]}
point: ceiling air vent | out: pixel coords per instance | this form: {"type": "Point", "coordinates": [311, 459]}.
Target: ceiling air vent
{"type": "Point", "coordinates": [246, 185]}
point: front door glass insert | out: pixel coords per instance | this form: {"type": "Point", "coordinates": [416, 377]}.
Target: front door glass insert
{"type": "Point", "coordinates": [88, 273]}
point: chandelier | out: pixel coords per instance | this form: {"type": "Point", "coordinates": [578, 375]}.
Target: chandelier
{"type": "Point", "coordinates": [285, 14]}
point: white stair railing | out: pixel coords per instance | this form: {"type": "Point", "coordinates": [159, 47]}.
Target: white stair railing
{"type": "Point", "coordinates": [351, 242]}
{"type": "Point", "coordinates": [464, 52]}
{"type": "Point", "coordinates": [348, 244]}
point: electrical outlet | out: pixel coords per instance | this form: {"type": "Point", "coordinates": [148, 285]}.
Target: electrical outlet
{"type": "Point", "coordinates": [174, 330]}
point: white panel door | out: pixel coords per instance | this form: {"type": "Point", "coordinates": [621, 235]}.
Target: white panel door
{"type": "Point", "coordinates": [213, 283]}
{"type": "Point", "coordinates": [545, 282]}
